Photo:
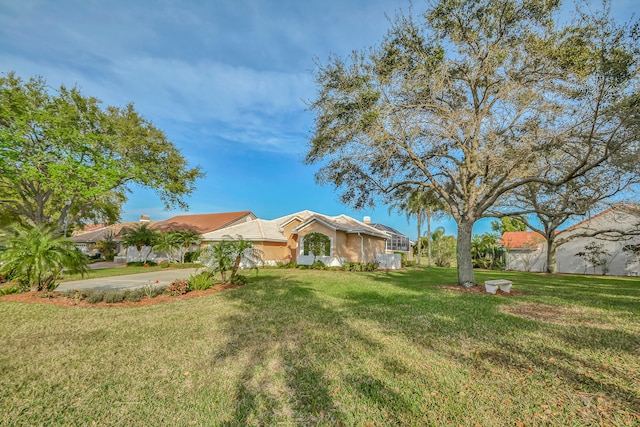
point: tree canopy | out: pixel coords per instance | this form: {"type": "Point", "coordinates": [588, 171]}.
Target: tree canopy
{"type": "Point", "coordinates": [475, 100]}
{"type": "Point", "coordinates": [64, 156]}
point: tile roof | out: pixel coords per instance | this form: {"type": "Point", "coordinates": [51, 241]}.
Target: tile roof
{"type": "Point", "coordinates": [116, 230]}
{"type": "Point", "coordinates": [344, 223]}
{"type": "Point", "coordinates": [273, 230]}
{"type": "Point", "coordinates": [521, 239]}
{"type": "Point", "coordinates": [202, 223]}
{"type": "Point", "coordinates": [256, 230]}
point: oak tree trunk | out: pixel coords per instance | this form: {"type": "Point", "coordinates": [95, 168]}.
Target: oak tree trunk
{"type": "Point", "coordinates": [463, 254]}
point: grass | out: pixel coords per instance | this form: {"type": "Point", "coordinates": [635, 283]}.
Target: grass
{"type": "Point", "coordinates": [334, 348]}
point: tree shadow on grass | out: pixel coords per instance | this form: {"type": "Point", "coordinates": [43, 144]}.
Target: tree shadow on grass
{"type": "Point", "coordinates": [280, 379]}
{"type": "Point", "coordinates": [287, 333]}
{"type": "Point", "coordinates": [461, 313]}
{"type": "Point", "coordinates": [292, 346]}
{"type": "Point", "coordinates": [578, 374]}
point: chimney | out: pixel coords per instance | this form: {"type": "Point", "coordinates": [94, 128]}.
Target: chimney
{"type": "Point", "coordinates": [145, 218]}
{"type": "Point", "coordinates": [367, 220]}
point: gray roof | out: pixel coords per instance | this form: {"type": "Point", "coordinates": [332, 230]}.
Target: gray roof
{"type": "Point", "coordinates": [388, 229]}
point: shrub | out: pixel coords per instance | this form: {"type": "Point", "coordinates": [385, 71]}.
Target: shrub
{"type": "Point", "coordinates": [114, 296]}
{"type": "Point", "coordinates": [94, 296]}
{"type": "Point", "coordinates": [191, 256]}
{"type": "Point", "coordinates": [318, 265]}
{"type": "Point", "coordinates": [291, 264]}
{"type": "Point", "coordinates": [134, 295]}
{"type": "Point", "coordinates": [77, 295]}
{"type": "Point", "coordinates": [164, 264]}
{"type": "Point", "coordinates": [360, 266]}
{"type": "Point", "coordinates": [135, 264]}
{"type": "Point", "coordinates": [141, 264]}
{"type": "Point", "coordinates": [352, 266]}
{"type": "Point", "coordinates": [200, 281]}
{"type": "Point", "coordinates": [371, 266]}
{"type": "Point", "coordinates": [178, 287]}
{"type": "Point", "coordinates": [403, 258]}
{"type": "Point", "coordinates": [9, 290]}
{"type": "Point", "coordinates": [151, 291]}
{"type": "Point", "coordinates": [239, 279]}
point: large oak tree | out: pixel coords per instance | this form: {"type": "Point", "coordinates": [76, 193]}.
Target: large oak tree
{"type": "Point", "coordinates": [64, 157]}
{"type": "Point", "coordinates": [468, 100]}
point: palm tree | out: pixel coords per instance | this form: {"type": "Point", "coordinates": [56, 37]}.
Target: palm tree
{"type": "Point", "coordinates": [228, 254]}
{"type": "Point", "coordinates": [485, 251]}
{"type": "Point", "coordinates": [167, 243]}
{"type": "Point", "coordinates": [245, 252]}
{"type": "Point", "coordinates": [107, 246]}
{"type": "Point", "coordinates": [219, 257]}
{"type": "Point", "coordinates": [422, 203]}
{"type": "Point", "coordinates": [36, 256]}
{"type": "Point", "coordinates": [444, 247]}
{"type": "Point", "coordinates": [139, 237]}
{"type": "Point", "coordinates": [186, 239]}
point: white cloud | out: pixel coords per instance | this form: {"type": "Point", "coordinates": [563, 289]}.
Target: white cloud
{"type": "Point", "coordinates": [208, 90]}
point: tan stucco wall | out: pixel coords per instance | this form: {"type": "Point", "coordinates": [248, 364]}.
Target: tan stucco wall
{"type": "Point", "coordinates": [350, 245]}
{"type": "Point", "coordinates": [291, 252]}
{"type": "Point", "coordinates": [317, 227]}
{"type": "Point", "coordinates": [352, 250]}
{"type": "Point", "coordinates": [340, 245]}
{"type": "Point", "coordinates": [371, 245]}
{"type": "Point", "coordinates": [272, 251]}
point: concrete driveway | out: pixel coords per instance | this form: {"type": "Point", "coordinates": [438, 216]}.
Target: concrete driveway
{"type": "Point", "coordinates": [162, 277]}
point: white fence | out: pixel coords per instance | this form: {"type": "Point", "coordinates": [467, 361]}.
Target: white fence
{"type": "Point", "coordinates": [389, 261]}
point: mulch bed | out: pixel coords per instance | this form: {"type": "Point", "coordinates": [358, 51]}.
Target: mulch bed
{"type": "Point", "coordinates": [63, 301]}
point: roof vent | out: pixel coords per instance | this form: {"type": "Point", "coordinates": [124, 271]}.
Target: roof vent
{"type": "Point", "coordinates": [145, 218]}
{"type": "Point", "coordinates": [367, 220]}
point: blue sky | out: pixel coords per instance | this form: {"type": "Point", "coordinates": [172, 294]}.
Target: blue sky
{"type": "Point", "coordinates": [226, 80]}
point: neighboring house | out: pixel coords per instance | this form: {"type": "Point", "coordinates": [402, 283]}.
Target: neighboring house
{"type": "Point", "coordinates": [201, 223]}
{"type": "Point", "coordinates": [87, 238]}
{"type": "Point", "coordinates": [281, 240]}
{"type": "Point", "coordinates": [525, 250]}
{"type": "Point", "coordinates": [603, 236]}
{"type": "Point", "coordinates": [204, 223]}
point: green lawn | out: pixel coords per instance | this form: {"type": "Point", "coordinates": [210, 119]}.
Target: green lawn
{"type": "Point", "coordinates": [301, 347]}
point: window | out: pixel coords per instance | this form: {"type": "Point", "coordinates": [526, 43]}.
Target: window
{"type": "Point", "coordinates": [317, 243]}
{"type": "Point", "coordinates": [398, 243]}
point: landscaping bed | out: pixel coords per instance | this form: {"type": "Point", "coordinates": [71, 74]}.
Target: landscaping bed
{"type": "Point", "coordinates": [59, 299]}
